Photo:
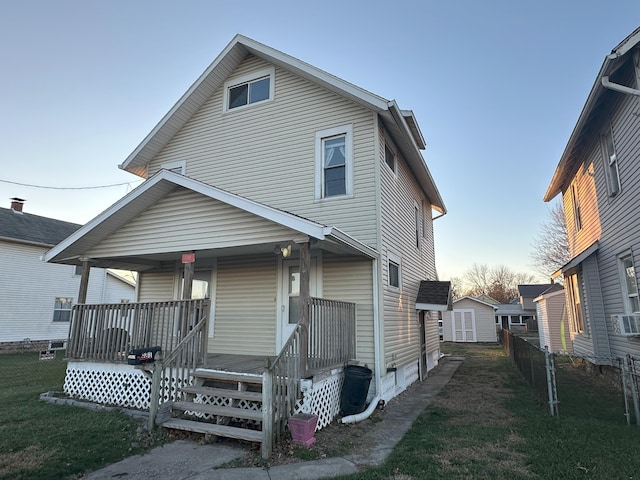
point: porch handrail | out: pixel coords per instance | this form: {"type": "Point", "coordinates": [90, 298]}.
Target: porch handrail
{"type": "Point", "coordinates": [332, 332]}
{"type": "Point", "coordinates": [280, 390]}
{"type": "Point", "coordinates": [190, 352]}
{"type": "Point", "coordinates": [106, 332]}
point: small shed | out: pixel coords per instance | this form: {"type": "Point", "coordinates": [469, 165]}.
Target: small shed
{"type": "Point", "coordinates": [553, 324]}
{"type": "Point", "coordinates": [471, 320]}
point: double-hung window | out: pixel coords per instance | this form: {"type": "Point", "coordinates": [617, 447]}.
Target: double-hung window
{"type": "Point", "coordinates": [610, 160]}
{"type": "Point", "coordinates": [629, 284]}
{"type": "Point", "coordinates": [256, 87]}
{"type": "Point", "coordinates": [62, 309]}
{"type": "Point", "coordinates": [577, 214]}
{"type": "Point", "coordinates": [394, 272]}
{"type": "Point", "coordinates": [389, 158]}
{"type": "Point", "coordinates": [334, 162]}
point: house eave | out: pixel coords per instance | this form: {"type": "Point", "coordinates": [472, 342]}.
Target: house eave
{"type": "Point", "coordinates": [432, 307]}
{"type": "Point", "coordinates": [566, 165]}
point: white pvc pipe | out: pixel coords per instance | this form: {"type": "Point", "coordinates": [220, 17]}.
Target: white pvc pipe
{"type": "Point", "coordinates": [364, 415]}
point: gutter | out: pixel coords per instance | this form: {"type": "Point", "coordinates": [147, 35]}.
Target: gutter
{"type": "Point", "coordinates": [619, 88]}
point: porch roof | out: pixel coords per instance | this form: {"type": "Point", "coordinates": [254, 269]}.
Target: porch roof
{"type": "Point", "coordinates": [73, 249]}
{"type": "Point", "coordinates": [434, 295]}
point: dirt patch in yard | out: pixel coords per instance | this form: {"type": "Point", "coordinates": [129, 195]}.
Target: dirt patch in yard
{"type": "Point", "coordinates": [27, 460]}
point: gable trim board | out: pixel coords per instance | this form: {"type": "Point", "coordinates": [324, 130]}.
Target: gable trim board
{"type": "Point", "coordinates": [161, 185]}
{"type": "Point", "coordinates": [399, 122]}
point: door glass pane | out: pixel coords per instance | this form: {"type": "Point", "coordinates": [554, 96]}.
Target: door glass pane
{"type": "Point", "coordinates": [294, 295]}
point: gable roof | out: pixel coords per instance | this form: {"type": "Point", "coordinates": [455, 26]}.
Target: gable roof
{"type": "Point", "coordinates": [33, 229]}
{"type": "Point", "coordinates": [434, 295]}
{"type": "Point", "coordinates": [400, 123]}
{"type": "Point", "coordinates": [161, 184]}
{"type": "Point", "coordinates": [477, 300]}
{"type": "Point", "coordinates": [583, 130]}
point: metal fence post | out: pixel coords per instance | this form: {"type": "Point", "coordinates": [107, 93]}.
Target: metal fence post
{"type": "Point", "coordinates": [550, 381]}
{"type": "Point", "coordinates": [623, 374]}
{"type": "Point", "coordinates": [634, 390]}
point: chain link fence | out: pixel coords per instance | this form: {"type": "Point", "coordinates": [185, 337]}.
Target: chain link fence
{"type": "Point", "coordinates": [596, 387]}
{"type": "Point", "coordinates": [32, 371]}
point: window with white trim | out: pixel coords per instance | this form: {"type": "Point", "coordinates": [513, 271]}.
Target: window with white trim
{"type": "Point", "coordinates": [389, 158]}
{"type": "Point", "coordinates": [334, 162]}
{"type": "Point", "coordinates": [629, 284]}
{"type": "Point", "coordinates": [394, 270]}
{"type": "Point", "coordinates": [250, 89]}
{"type": "Point", "coordinates": [62, 309]}
{"type": "Point", "coordinates": [610, 160]}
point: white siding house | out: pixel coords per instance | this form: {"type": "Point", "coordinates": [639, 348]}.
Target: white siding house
{"type": "Point", "coordinates": [36, 297]}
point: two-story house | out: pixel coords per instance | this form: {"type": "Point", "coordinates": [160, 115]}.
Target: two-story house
{"type": "Point", "coordinates": [36, 297]}
{"type": "Point", "coordinates": [279, 195]}
{"type": "Point", "coordinates": [598, 177]}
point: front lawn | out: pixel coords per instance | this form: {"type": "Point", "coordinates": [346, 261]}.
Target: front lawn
{"type": "Point", "coordinates": [41, 440]}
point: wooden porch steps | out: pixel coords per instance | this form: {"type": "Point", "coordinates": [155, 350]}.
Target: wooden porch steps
{"type": "Point", "coordinates": [214, 429]}
{"type": "Point", "coordinates": [227, 404]}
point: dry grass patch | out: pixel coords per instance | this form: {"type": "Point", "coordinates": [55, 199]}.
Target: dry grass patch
{"type": "Point", "coordinates": [31, 458]}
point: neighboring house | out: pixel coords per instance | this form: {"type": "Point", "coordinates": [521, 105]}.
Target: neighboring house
{"type": "Point", "coordinates": [598, 177]}
{"type": "Point", "coordinates": [520, 315]}
{"type": "Point", "coordinates": [37, 296]}
{"type": "Point", "coordinates": [553, 325]}
{"type": "Point", "coordinates": [471, 320]}
{"type": "Point", "coordinates": [275, 181]}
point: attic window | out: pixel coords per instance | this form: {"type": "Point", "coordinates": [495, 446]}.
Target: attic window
{"type": "Point", "coordinates": [249, 89]}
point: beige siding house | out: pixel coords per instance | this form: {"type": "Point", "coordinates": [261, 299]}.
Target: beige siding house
{"type": "Point", "coordinates": [471, 320]}
{"type": "Point", "coordinates": [269, 183]}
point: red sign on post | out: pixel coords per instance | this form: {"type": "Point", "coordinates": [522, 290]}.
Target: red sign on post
{"type": "Point", "coordinates": [188, 257]}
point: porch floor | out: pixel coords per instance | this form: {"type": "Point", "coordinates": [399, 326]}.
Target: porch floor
{"type": "Point", "coordinates": [229, 362]}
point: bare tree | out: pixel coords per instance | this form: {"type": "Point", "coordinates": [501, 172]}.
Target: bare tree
{"type": "Point", "coordinates": [551, 245]}
{"type": "Point", "coordinates": [498, 282]}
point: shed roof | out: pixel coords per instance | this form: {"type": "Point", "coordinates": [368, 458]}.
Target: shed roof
{"type": "Point", "coordinates": [434, 295]}
{"type": "Point", "coordinates": [33, 229]}
{"type": "Point", "coordinates": [533, 290]}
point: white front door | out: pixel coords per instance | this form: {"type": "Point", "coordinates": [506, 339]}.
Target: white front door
{"type": "Point", "coordinates": [463, 325]}
{"type": "Point", "coordinates": [290, 298]}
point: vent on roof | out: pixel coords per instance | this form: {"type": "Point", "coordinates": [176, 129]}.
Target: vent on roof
{"type": "Point", "coordinates": [16, 204]}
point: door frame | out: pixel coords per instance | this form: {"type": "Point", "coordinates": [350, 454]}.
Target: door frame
{"type": "Point", "coordinates": [283, 330]}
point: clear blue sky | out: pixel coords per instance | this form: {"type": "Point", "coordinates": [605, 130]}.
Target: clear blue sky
{"type": "Point", "coordinates": [497, 86]}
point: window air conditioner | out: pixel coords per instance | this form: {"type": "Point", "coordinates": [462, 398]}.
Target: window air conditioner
{"type": "Point", "coordinates": [627, 325]}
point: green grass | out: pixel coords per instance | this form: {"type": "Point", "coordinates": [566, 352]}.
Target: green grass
{"type": "Point", "coordinates": [487, 424]}
{"type": "Point", "coordinates": [42, 440]}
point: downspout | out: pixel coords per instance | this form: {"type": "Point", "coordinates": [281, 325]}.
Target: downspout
{"type": "Point", "coordinates": [377, 367]}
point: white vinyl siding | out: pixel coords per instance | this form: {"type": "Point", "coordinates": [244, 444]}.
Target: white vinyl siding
{"type": "Point", "coordinates": [186, 220]}
{"type": "Point", "coordinates": [245, 306]}
{"type": "Point", "coordinates": [552, 322]}
{"type": "Point", "coordinates": [275, 163]}
{"type": "Point", "coordinates": [350, 279]}
{"type": "Point", "coordinates": [29, 291]}
{"type": "Point", "coordinates": [400, 193]}
{"type": "Point", "coordinates": [485, 320]}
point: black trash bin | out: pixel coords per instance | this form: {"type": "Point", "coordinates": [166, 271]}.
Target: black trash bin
{"type": "Point", "coordinates": [355, 389]}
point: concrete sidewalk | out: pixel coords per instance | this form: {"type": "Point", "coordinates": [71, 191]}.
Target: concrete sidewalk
{"type": "Point", "coordinates": [183, 460]}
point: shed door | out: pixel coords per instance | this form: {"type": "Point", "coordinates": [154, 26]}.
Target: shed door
{"type": "Point", "coordinates": [463, 325]}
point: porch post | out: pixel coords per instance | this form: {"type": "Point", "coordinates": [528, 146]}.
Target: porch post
{"type": "Point", "coordinates": [84, 280]}
{"type": "Point", "coordinates": [188, 280]}
{"type": "Point", "coordinates": [305, 267]}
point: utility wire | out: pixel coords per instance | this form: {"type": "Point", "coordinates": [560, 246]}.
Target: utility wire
{"type": "Point", "coordinates": [70, 188]}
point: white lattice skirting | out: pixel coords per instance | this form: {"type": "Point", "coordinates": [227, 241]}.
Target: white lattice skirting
{"type": "Point", "coordinates": [114, 384]}
{"type": "Point", "coordinates": [323, 398]}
